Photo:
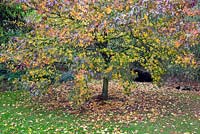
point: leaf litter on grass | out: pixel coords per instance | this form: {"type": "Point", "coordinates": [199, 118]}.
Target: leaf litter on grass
{"type": "Point", "coordinates": [137, 112]}
{"type": "Point", "coordinates": [145, 101]}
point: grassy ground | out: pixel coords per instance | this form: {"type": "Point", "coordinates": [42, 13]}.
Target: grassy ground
{"type": "Point", "coordinates": [18, 115]}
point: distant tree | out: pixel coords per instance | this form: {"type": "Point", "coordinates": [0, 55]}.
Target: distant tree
{"type": "Point", "coordinates": [13, 24]}
{"type": "Point", "coordinates": [12, 20]}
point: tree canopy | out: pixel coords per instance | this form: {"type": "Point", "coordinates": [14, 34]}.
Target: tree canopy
{"type": "Point", "coordinates": [101, 37]}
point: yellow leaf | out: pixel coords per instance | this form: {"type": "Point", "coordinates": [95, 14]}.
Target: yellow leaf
{"type": "Point", "coordinates": [146, 17]}
{"type": "Point", "coordinates": [83, 66]}
{"type": "Point", "coordinates": [158, 41]}
{"type": "Point", "coordinates": [108, 10]}
{"type": "Point", "coordinates": [91, 65]}
{"type": "Point", "coordinates": [108, 69]}
{"type": "Point", "coordinates": [145, 35]}
{"type": "Point", "coordinates": [186, 60]}
{"type": "Point", "coordinates": [127, 8]}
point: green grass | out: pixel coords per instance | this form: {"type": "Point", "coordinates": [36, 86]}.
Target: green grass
{"type": "Point", "coordinates": [18, 115]}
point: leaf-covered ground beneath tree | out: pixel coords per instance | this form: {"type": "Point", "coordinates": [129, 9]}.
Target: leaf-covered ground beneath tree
{"type": "Point", "coordinates": [145, 101]}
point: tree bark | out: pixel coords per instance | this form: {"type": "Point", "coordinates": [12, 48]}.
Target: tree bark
{"type": "Point", "coordinates": [107, 59]}
{"type": "Point", "coordinates": [105, 88]}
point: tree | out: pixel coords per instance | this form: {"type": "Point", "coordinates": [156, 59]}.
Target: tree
{"type": "Point", "coordinates": [189, 42]}
{"type": "Point", "coordinates": [13, 23]}
{"type": "Point", "coordinates": [12, 20]}
{"type": "Point", "coordinates": [104, 36]}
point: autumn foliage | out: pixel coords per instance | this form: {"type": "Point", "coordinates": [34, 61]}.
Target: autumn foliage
{"type": "Point", "coordinates": [102, 37]}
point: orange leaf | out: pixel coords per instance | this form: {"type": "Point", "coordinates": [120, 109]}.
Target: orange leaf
{"type": "Point", "coordinates": [177, 44]}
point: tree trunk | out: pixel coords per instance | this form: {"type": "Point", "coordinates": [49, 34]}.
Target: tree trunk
{"type": "Point", "coordinates": [105, 88]}
{"type": "Point", "coordinates": [107, 59]}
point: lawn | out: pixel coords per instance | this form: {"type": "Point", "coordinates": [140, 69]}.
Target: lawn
{"type": "Point", "coordinates": [19, 115]}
